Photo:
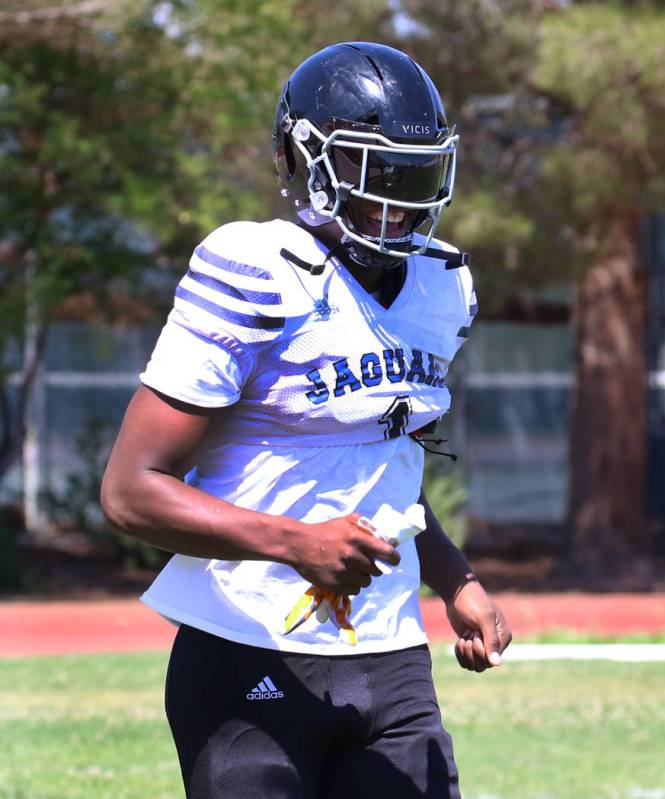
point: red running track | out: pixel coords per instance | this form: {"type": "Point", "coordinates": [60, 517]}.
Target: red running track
{"type": "Point", "coordinates": [125, 625]}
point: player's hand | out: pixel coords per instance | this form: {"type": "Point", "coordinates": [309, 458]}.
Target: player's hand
{"type": "Point", "coordinates": [339, 555]}
{"type": "Point", "coordinates": [481, 626]}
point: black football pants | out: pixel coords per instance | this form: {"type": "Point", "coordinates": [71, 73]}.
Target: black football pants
{"type": "Point", "coordinates": [263, 724]}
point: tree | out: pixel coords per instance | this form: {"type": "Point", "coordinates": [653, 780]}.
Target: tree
{"type": "Point", "coordinates": [87, 169]}
{"type": "Point", "coordinates": [603, 65]}
{"type": "Point", "coordinates": [128, 130]}
{"type": "Point", "coordinates": [561, 110]}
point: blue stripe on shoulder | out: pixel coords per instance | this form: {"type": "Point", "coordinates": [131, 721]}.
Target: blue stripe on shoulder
{"type": "Point", "coordinates": [231, 266]}
{"type": "Point", "coordinates": [241, 319]}
{"type": "Point", "coordinates": [258, 297]}
{"type": "Point", "coordinates": [473, 310]}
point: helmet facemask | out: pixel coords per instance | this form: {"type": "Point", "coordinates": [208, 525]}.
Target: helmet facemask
{"type": "Point", "coordinates": [377, 190]}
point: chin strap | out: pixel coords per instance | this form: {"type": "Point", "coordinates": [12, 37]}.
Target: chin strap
{"type": "Point", "coordinates": [363, 256]}
{"type": "Point", "coordinates": [453, 259]}
{"type": "Point", "coordinates": [366, 257]}
{"type": "Point", "coordinates": [313, 269]}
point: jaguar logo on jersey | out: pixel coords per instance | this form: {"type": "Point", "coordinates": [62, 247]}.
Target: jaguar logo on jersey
{"type": "Point", "coordinates": [371, 370]}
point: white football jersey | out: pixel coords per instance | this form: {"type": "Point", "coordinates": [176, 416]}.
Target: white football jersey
{"type": "Point", "coordinates": [319, 385]}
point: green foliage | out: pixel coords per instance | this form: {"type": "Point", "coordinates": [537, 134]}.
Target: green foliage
{"type": "Point", "coordinates": [85, 134]}
{"type": "Point", "coordinates": [561, 114]}
{"type": "Point", "coordinates": [491, 226]}
{"type": "Point", "coordinates": [480, 54]}
{"type": "Point", "coordinates": [76, 506]}
{"type": "Point", "coordinates": [241, 55]}
{"type": "Point", "coordinates": [479, 47]}
{"type": "Point", "coordinates": [604, 65]}
{"type": "Point", "coordinates": [126, 135]}
{"type": "Point", "coordinates": [447, 496]}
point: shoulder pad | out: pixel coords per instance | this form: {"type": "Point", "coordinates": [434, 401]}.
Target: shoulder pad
{"type": "Point", "coordinates": [240, 286]}
{"type": "Point", "coordinates": [461, 278]}
{"type": "Point", "coordinates": [241, 248]}
{"type": "Point", "coordinates": [229, 290]}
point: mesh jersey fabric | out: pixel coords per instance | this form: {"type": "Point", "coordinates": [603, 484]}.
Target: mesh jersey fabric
{"type": "Point", "coordinates": [319, 386]}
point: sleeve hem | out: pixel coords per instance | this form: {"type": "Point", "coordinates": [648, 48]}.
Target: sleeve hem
{"type": "Point", "coordinates": [200, 401]}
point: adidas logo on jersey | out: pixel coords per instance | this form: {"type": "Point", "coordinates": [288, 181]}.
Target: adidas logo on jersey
{"type": "Point", "coordinates": [266, 689]}
{"type": "Point", "coordinates": [323, 308]}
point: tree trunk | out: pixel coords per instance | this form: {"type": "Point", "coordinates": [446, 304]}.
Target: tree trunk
{"type": "Point", "coordinates": [607, 496]}
{"type": "Point", "coordinates": [13, 420]}
{"type": "Point", "coordinates": [10, 447]}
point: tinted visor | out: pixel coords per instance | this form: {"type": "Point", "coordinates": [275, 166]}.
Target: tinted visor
{"type": "Point", "coordinates": [394, 176]}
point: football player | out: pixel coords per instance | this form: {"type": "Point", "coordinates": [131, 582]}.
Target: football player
{"type": "Point", "coordinates": [284, 405]}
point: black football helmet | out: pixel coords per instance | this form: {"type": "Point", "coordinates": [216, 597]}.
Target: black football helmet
{"type": "Point", "coordinates": [360, 137]}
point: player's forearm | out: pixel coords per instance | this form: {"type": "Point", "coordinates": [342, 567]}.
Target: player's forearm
{"type": "Point", "coordinates": [442, 566]}
{"type": "Point", "coordinates": [163, 511]}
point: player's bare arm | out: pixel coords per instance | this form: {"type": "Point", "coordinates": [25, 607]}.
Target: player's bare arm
{"type": "Point", "coordinates": [481, 627]}
{"type": "Point", "coordinates": [143, 495]}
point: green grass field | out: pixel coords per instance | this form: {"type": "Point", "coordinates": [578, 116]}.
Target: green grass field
{"type": "Point", "coordinates": [92, 727]}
